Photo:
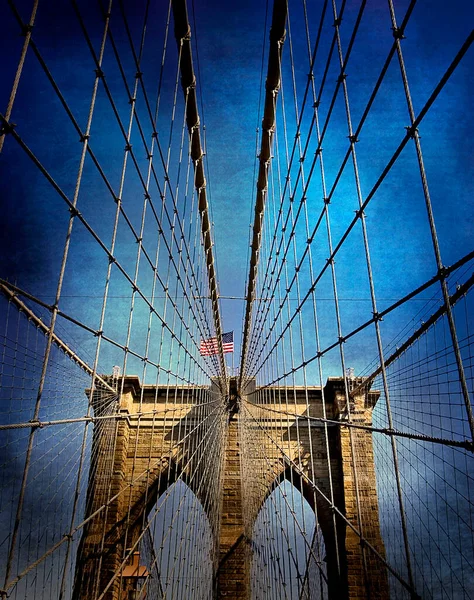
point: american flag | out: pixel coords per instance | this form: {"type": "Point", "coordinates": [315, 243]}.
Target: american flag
{"type": "Point", "coordinates": [210, 347]}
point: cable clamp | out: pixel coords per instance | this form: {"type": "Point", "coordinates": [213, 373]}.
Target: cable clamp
{"type": "Point", "coordinates": [327, 200]}
{"type": "Point", "coordinates": [7, 128]}
{"type": "Point", "coordinates": [469, 445]}
{"type": "Point", "coordinates": [36, 423]}
{"type": "Point", "coordinates": [128, 147]}
{"type": "Point", "coordinates": [73, 211]}
{"type": "Point", "coordinates": [398, 33]}
{"type": "Point", "coordinates": [311, 76]}
{"type": "Point", "coordinates": [99, 73]}
{"type": "Point", "coordinates": [27, 28]}
{"type": "Point", "coordinates": [138, 75]}
{"type": "Point", "coordinates": [341, 77]}
{"type": "Point", "coordinates": [337, 22]}
{"type": "Point", "coordinates": [187, 36]}
{"type": "Point", "coordinates": [316, 104]}
{"type": "Point", "coordinates": [112, 259]}
{"type": "Point", "coordinates": [442, 273]}
{"type": "Point", "coordinates": [132, 100]}
{"type": "Point", "coordinates": [341, 339]}
{"type": "Point", "coordinates": [377, 316]}
{"type": "Point", "coordinates": [353, 139]}
{"type": "Point", "coordinates": [412, 131]}
{"type": "Point", "coordinates": [360, 214]}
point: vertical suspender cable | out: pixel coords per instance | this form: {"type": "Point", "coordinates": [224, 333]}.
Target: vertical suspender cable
{"type": "Point", "coordinates": [272, 87]}
{"type": "Point", "coordinates": [27, 33]}
{"type": "Point", "coordinates": [182, 32]}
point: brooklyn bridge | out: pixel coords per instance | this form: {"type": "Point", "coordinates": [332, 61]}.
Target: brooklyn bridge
{"type": "Point", "coordinates": [236, 300]}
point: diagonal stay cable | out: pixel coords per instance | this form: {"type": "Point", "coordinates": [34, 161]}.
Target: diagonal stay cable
{"type": "Point", "coordinates": [275, 252]}
{"type": "Point", "coordinates": [149, 151]}
{"type": "Point", "coordinates": [26, 30]}
{"type": "Point", "coordinates": [300, 471]}
{"type": "Point", "coordinates": [318, 152]}
{"type": "Point", "coordinates": [85, 138]}
{"type": "Point", "coordinates": [100, 509]}
{"type": "Point", "coordinates": [454, 298]}
{"type": "Point", "coordinates": [409, 133]}
{"type": "Point", "coordinates": [272, 85]}
{"type": "Point", "coordinates": [86, 224]}
{"type": "Point", "coordinates": [461, 291]}
{"type": "Point", "coordinates": [188, 82]}
{"type": "Point", "coordinates": [129, 149]}
{"type": "Point", "coordinates": [106, 338]}
{"type": "Point", "coordinates": [69, 352]}
{"type": "Point", "coordinates": [465, 444]}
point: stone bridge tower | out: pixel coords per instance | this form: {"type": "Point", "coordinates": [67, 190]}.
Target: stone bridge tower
{"type": "Point", "coordinates": [105, 537]}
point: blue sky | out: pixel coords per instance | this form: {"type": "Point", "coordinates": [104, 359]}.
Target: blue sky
{"type": "Point", "coordinates": [230, 49]}
{"type": "Point", "coordinates": [229, 44]}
